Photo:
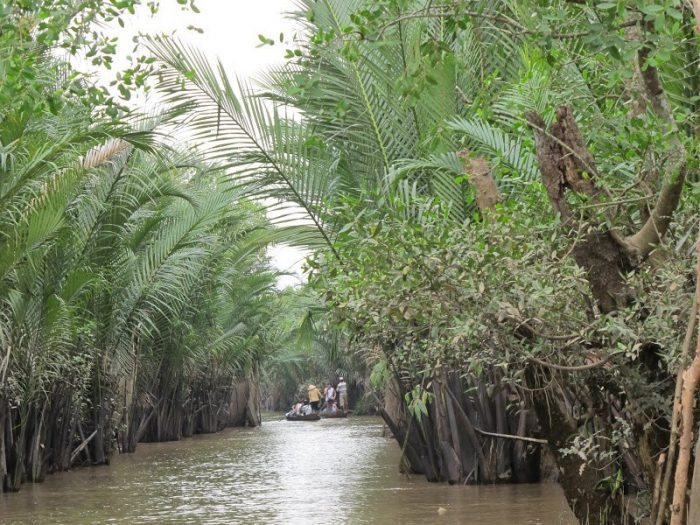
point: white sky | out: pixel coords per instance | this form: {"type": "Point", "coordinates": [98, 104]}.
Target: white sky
{"type": "Point", "coordinates": [231, 29]}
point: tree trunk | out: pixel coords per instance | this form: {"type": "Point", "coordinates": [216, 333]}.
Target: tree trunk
{"type": "Point", "coordinates": [581, 479]}
{"type": "Point", "coordinates": [694, 511]}
{"type": "Point", "coordinates": [691, 377]}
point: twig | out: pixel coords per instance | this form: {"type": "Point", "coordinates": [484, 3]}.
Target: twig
{"type": "Point", "coordinates": [411, 16]}
{"type": "Point", "coordinates": [613, 203]}
{"type": "Point", "coordinates": [578, 368]}
{"type": "Point", "coordinates": [511, 436]}
{"type": "Point", "coordinates": [572, 338]}
{"type": "Point", "coordinates": [520, 29]}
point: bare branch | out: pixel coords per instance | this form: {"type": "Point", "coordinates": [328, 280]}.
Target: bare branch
{"type": "Point", "coordinates": [511, 436]}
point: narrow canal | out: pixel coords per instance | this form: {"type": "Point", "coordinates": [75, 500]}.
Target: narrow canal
{"type": "Point", "coordinates": [331, 471]}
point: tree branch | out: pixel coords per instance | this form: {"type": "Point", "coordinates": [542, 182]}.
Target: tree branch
{"type": "Point", "coordinates": [511, 436]}
{"type": "Point", "coordinates": [578, 368]}
{"type": "Point", "coordinates": [519, 28]}
{"type": "Point", "coordinates": [655, 227]}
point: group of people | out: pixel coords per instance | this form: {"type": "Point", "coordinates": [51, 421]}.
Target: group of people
{"type": "Point", "coordinates": [330, 400]}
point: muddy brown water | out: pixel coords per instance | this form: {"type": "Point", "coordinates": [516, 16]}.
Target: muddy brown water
{"type": "Point", "coordinates": [330, 471]}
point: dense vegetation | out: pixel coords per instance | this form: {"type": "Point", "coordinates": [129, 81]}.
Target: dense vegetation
{"type": "Point", "coordinates": [135, 294]}
{"type": "Point", "coordinates": [502, 200]}
{"type": "Point", "coordinates": [308, 350]}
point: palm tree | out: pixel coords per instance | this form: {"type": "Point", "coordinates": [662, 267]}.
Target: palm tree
{"type": "Point", "coordinates": [109, 243]}
{"type": "Point", "coordinates": [331, 130]}
{"type": "Point", "coordinates": [380, 104]}
{"type": "Point", "coordinates": [308, 348]}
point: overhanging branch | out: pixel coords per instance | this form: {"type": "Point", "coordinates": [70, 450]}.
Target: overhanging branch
{"type": "Point", "coordinates": [655, 227]}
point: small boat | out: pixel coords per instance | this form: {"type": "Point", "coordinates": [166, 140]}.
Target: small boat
{"type": "Point", "coordinates": [329, 415]}
{"type": "Point", "coordinates": [302, 417]}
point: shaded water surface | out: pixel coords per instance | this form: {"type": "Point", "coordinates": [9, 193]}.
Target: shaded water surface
{"type": "Point", "coordinates": [339, 471]}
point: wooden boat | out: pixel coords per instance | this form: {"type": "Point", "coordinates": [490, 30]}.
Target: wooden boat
{"type": "Point", "coordinates": [330, 415]}
{"type": "Point", "coordinates": [301, 417]}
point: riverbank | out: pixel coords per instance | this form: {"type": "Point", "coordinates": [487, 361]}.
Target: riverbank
{"type": "Point", "coordinates": [331, 470]}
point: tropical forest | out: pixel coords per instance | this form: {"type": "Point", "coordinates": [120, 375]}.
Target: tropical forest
{"type": "Point", "coordinates": [350, 261]}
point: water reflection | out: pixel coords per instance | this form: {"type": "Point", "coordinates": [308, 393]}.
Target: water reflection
{"type": "Point", "coordinates": [339, 471]}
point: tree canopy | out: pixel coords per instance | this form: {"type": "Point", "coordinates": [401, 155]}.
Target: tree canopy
{"type": "Point", "coordinates": [500, 200]}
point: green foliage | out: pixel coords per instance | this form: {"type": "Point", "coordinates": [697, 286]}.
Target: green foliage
{"type": "Point", "coordinates": [304, 349]}
{"type": "Point", "coordinates": [417, 401]}
{"type": "Point", "coordinates": [361, 131]}
{"type": "Point", "coordinates": [132, 273]}
{"type": "Point", "coordinates": [34, 29]}
{"type": "Point", "coordinates": [380, 375]}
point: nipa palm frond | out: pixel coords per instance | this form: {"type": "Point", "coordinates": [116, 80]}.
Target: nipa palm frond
{"type": "Point", "coordinates": [260, 150]}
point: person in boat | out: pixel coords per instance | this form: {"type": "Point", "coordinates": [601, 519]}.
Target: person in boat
{"type": "Point", "coordinates": [329, 394]}
{"type": "Point", "coordinates": [329, 409]}
{"type": "Point", "coordinates": [342, 394]}
{"type": "Point", "coordinates": [306, 409]}
{"type": "Point", "coordinates": [314, 397]}
{"type": "Point", "coordinates": [295, 410]}
{"type": "Point", "coordinates": [330, 406]}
